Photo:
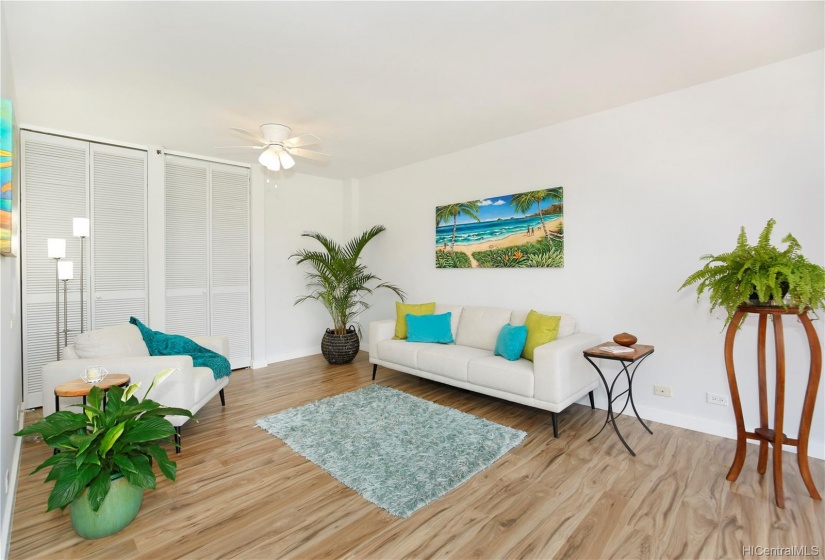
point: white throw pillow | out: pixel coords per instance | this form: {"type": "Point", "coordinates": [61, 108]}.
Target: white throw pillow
{"type": "Point", "coordinates": [567, 325]}
{"type": "Point", "coordinates": [120, 341]}
{"type": "Point", "coordinates": [479, 326]}
{"type": "Point", "coordinates": [455, 315]}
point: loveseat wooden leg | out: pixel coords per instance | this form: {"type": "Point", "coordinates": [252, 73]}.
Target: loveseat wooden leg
{"type": "Point", "coordinates": [555, 418]}
{"type": "Point", "coordinates": [592, 402]}
{"type": "Point", "coordinates": [223, 397]}
{"type": "Point", "coordinates": [177, 439]}
{"type": "Point", "coordinates": [374, 369]}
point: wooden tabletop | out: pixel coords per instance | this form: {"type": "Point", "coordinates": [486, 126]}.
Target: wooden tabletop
{"type": "Point", "coordinates": [79, 388]}
{"type": "Point", "coordinates": [639, 351]}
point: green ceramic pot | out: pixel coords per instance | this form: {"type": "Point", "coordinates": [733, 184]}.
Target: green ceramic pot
{"type": "Point", "coordinates": [118, 509]}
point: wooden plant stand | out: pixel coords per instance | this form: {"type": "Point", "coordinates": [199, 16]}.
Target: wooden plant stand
{"type": "Point", "coordinates": [763, 434]}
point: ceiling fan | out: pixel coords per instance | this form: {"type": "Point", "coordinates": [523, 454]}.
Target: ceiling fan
{"type": "Point", "coordinates": [278, 147]}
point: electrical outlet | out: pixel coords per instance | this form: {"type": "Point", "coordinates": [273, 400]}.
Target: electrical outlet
{"type": "Point", "coordinates": [721, 400]}
{"type": "Point", "coordinates": [662, 391]}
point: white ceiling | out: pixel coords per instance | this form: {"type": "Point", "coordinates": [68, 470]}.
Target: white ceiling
{"type": "Point", "coordinates": [384, 84]}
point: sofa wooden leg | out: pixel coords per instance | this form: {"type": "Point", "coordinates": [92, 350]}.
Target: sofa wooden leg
{"type": "Point", "coordinates": [374, 369]}
{"type": "Point", "coordinates": [592, 402]}
{"type": "Point", "coordinates": [555, 418]}
{"type": "Point", "coordinates": [177, 439]}
{"type": "Point", "coordinates": [223, 398]}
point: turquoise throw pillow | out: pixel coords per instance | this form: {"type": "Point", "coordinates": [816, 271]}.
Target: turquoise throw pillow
{"type": "Point", "coordinates": [429, 328]}
{"type": "Point", "coordinates": [510, 342]}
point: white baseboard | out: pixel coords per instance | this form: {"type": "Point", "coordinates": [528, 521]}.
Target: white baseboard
{"type": "Point", "coordinates": [816, 448]}
{"type": "Point", "coordinates": [294, 354]}
{"type": "Point", "coordinates": [8, 510]}
{"type": "Point", "coordinates": [258, 364]}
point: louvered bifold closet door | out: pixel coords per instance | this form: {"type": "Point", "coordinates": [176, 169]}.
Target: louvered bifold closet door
{"type": "Point", "coordinates": [118, 186]}
{"type": "Point", "coordinates": [54, 183]}
{"type": "Point", "coordinates": [187, 246]}
{"type": "Point", "coordinates": [230, 260]}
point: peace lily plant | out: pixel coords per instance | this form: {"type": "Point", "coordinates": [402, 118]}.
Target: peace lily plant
{"type": "Point", "coordinates": [103, 443]}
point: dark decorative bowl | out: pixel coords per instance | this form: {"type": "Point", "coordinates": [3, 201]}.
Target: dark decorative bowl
{"type": "Point", "coordinates": [625, 339]}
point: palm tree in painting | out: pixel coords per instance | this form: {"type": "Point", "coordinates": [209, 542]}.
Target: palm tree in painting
{"type": "Point", "coordinates": [523, 202]}
{"type": "Point", "coordinates": [453, 211]}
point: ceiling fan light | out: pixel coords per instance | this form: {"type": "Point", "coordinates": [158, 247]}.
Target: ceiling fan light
{"type": "Point", "coordinates": [269, 160]}
{"type": "Point", "coordinates": [286, 160]}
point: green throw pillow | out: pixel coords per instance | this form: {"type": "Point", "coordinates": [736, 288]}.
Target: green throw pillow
{"type": "Point", "coordinates": [541, 329]}
{"type": "Point", "coordinates": [401, 311]}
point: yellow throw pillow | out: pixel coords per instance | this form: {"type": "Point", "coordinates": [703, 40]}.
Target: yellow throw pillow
{"type": "Point", "coordinates": [541, 329]}
{"type": "Point", "coordinates": [401, 310]}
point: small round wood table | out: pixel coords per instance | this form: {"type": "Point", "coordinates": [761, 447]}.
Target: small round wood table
{"type": "Point", "coordinates": [79, 388]}
{"type": "Point", "coordinates": [764, 434]}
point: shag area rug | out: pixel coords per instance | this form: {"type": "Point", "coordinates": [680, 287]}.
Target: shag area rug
{"type": "Point", "coordinates": [398, 451]}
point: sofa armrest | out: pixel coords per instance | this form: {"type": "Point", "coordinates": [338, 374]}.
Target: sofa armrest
{"type": "Point", "coordinates": [219, 344]}
{"type": "Point", "coordinates": [380, 330]}
{"type": "Point", "coordinates": [560, 368]}
{"type": "Point", "coordinates": [177, 390]}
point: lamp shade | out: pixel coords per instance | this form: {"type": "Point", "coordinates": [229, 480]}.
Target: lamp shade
{"type": "Point", "coordinates": [80, 227]}
{"type": "Point", "coordinates": [57, 248]}
{"type": "Point", "coordinates": [269, 160]}
{"type": "Point", "coordinates": [286, 160]}
{"type": "Point", "coordinates": [65, 270]}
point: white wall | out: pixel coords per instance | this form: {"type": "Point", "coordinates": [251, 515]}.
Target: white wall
{"type": "Point", "coordinates": [297, 204]}
{"type": "Point", "coordinates": [649, 187]}
{"type": "Point", "coordinates": [11, 377]}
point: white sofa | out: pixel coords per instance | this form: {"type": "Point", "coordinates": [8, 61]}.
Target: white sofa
{"type": "Point", "coordinates": [120, 349]}
{"type": "Point", "coordinates": [558, 376]}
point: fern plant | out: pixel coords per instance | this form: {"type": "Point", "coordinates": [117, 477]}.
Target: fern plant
{"type": "Point", "coordinates": [760, 273]}
{"type": "Point", "coordinates": [338, 279]}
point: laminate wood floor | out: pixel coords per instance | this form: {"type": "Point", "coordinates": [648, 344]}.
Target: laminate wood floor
{"type": "Point", "coordinates": [242, 493]}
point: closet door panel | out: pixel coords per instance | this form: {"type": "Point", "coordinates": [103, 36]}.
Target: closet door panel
{"type": "Point", "coordinates": [230, 315]}
{"type": "Point", "coordinates": [187, 246]}
{"type": "Point", "coordinates": [54, 186]}
{"type": "Point", "coordinates": [118, 240]}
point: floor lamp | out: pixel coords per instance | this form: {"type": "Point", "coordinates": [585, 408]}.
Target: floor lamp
{"type": "Point", "coordinates": [57, 251]}
{"type": "Point", "coordinates": [80, 228]}
{"type": "Point", "coordinates": [65, 272]}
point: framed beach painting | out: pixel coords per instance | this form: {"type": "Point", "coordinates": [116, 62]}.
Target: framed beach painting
{"type": "Point", "coordinates": [522, 230]}
{"type": "Point", "coordinates": [6, 172]}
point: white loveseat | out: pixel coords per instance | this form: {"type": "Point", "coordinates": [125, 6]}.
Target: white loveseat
{"type": "Point", "coordinates": [558, 376]}
{"type": "Point", "coordinates": [120, 349]}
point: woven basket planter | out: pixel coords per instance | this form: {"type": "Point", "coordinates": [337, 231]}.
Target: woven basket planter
{"type": "Point", "coordinates": [340, 348]}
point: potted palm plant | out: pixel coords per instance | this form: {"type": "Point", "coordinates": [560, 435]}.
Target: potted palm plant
{"type": "Point", "coordinates": [105, 456]}
{"type": "Point", "coordinates": [341, 283]}
{"type": "Point", "coordinates": [760, 274]}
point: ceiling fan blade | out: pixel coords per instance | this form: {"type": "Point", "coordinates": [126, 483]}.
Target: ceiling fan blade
{"type": "Point", "coordinates": [303, 140]}
{"type": "Point", "coordinates": [249, 134]}
{"type": "Point", "coordinates": [309, 154]}
{"type": "Point", "coordinates": [253, 147]}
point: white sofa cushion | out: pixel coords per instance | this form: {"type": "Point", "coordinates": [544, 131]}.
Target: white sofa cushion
{"type": "Point", "coordinates": [455, 317]}
{"type": "Point", "coordinates": [119, 341]}
{"type": "Point", "coordinates": [449, 360]}
{"type": "Point", "coordinates": [567, 325]}
{"type": "Point", "coordinates": [495, 372]}
{"type": "Point", "coordinates": [479, 326]}
{"type": "Point", "coordinates": [401, 352]}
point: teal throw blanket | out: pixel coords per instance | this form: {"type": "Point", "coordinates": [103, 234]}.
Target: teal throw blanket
{"type": "Point", "coordinates": [162, 344]}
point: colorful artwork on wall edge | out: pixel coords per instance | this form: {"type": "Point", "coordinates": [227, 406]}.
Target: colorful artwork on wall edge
{"type": "Point", "coordinates": [6, 175]}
